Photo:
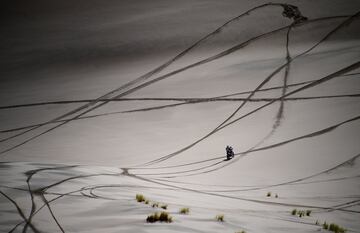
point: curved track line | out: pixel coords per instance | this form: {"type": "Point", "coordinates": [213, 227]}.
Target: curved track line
{"type": "Point", "coordinates": [315, 83]}
{"type": "Point", "coordinates": [251, 186]}
{"type": "Point", "coordinates": [191, 101]}
{"type": "Point", "coordinates": [52, 213]}
{"type": "Point", "coordinates": [238, 198]}
{"type": "Point", "coordinates": [146, 76]}
{"type": "Point", "coordinates": [225, 124]}
{"type": "Point", "coordinates": [21, 213]}
{"type": "Point", "coordinates": [207, 100]}
{"type": "Point", "coordinates": [296, 180]}
{"type": "Point", "coordinates": [63, 102]}
{"type": "Point", "coordinates": [215, 57]}
{"type": "Point", "coordinates": [242, 154]}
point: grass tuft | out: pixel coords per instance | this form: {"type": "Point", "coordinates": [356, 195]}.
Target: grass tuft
{"type": "Point", "coordinates": [220, 218]}
{"type": "Point", "coordinates": [155, 205]}
{"type": "Point", "coordinates": [336, 228]}
{"type": "Point", "coordinates": [164, 206]}
{"type": "Point", "coordinates": [165, 217]}
{"type": "Point", "coordinates": [140, 198]}
{"type": "Point", "coordinates": [301, 213]}
{"type": "Point", "coordinates": [161, 217]}
{"type": "Point", "coordinates": [325, 226]}
{"type": "Point", "coordinates": [184, 211]}
{"type": "Point", "coordinates": [153, 218]}
{"type": "Point", "coordinates": [268, 194]}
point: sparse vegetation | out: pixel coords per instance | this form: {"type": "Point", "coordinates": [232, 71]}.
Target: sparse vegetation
{"type": "Point", "coordinates": [152, 218]}
{"type": "Point", "coordinates": [308, 212]}
{"type": "Point", "coordinates": [161, 217]}
{"type": "Point", "coordinates": [155, 205]}
{"type": "Point", "coordinates": [276, 195]}
{"type": "Point", "coordinates": [184, 211]}
{"type": "Point", "coordinates": [325, 226]}
{"type": "Point", "coordinates": [317, 222]}
{"type": "Point", "coordinates": [333, 227]}
{"type": "Point", "coordinates": [268, 194]}
{"type": "Point", "coordinates": [220, 218]}
{"type": "Point", "coordinates": [140, 198]}
{"type": "Point", "coordinates": [240, 232]}
{"type": "Point", "coordinates": [165, 217]}
{"type": "Point", "coordinates": [301, 213]}
{"type": "Point", "coordinates": [336, 228]}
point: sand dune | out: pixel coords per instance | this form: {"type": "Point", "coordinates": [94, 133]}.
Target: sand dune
{"type": "Point", "coordinates": [285, 96]}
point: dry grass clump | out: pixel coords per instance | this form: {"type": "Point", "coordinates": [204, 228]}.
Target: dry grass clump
{"type": "Point", "coordinates": [325, 226]}
{"type": "Point", "coordinates": [161, 217]}
{"type": "Point", "coordinates": [301, 213]}
{"type": "Point", "coordinates": [140, 198]}
{"type": "Point", "coordinates": [184, 210]}
{"type": "Point", "coordinates": [308, 212]}
{"type": "Point", "coordinates": [219, 218]}
{"type": "Point", "coordinates": [334, 227]}
{"type": "Point", "coordinates": [155, 205]}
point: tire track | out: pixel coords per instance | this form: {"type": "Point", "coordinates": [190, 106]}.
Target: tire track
{"type": "Point", "coordinates": [247, 186]}
{"type": "Point", "coordinates": [180, 172]}
{"type": "Point", "coordinates": [207, 100]}
{"type": "Point", "coordinates": [40, 191]}
{"type": "Point", "coordinates": [315, 83]}
{"type": "Point", "coordinates": [215, 57]}
{"type": "Point", "coordinates": [190, 101]}
{"type": "Point", "coordinates": [242, 154]}
{"type": "Point", "coordinates": [50, 201]}
{"type": "Point", "coordinates": [64, 102]}
{"type": "Point", "coordinates": [52, 213]}
{"type": "Point", "coordinates": [240, 198]}
{"type": "Point", "coordinates": [291, 181]}
{"type": "Point", "coordinates": [29, 175]}
{"type": "Point", "coordinates": [20, 212]}
{"type": "Point", "coordinates": [314, 134]}
{"type": "Point", "coordinates": [280, 113]}
{"type": "Point", "coordinates": [101, 186]}
{"type": "Point", "coordinates": [225, 123]}
{"type": "Point", "coordinates": [146, 76]}
{"type": "Point", "coordinates": [259, 187]}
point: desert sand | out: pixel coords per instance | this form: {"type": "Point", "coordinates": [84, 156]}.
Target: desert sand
{"type": "Point", "coordinates": [80, 141]}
